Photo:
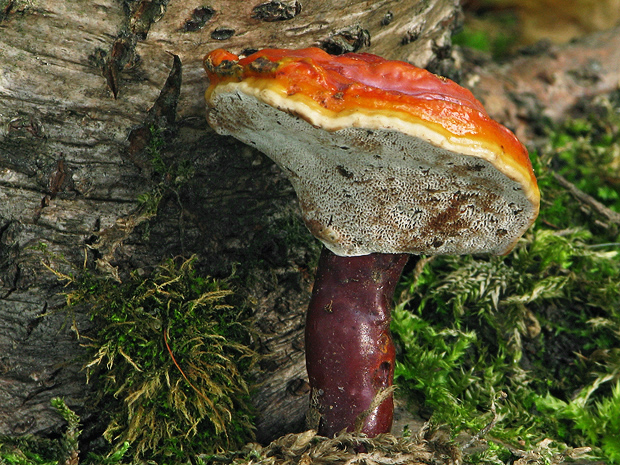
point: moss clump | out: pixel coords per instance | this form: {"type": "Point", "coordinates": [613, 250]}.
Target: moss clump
{"type": "Point", "coordinates": [540, 324]}
{"type": "Point", "coordinates": [168, 355]}
{"type": "Point", "coordinates": [586, 151]}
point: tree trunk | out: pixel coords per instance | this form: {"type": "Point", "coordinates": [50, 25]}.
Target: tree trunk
{"type": "Point", "coordinates": [100, 104]}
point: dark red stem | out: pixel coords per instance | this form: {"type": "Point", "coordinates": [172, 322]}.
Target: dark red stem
{"type": "Point", "coordinates": [349, 348]}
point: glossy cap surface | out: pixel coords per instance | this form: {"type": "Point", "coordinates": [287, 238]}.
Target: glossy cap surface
{"type": "Point", "coordinates": [385, 157]}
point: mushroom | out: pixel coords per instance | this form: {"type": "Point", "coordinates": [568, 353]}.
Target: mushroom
{"type": "Point", "coordinates": [387, 160]}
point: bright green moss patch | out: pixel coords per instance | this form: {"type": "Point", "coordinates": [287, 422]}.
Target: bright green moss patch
{"type": "Point", "coordinates": [496, 34]}
{"type": "Point", "coordinates": [585, 151]}
{"type": "Point", "coordinates": [540, 324]}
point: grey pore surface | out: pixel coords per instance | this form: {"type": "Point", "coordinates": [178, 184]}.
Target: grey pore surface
{"type": "Point", "coordinates": [366, 190]}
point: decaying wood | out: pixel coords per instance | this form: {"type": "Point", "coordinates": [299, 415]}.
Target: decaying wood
{"type": "Point", "coordinates": [546, 82]}
{"type": "Point", "coordinates": [89, 90]}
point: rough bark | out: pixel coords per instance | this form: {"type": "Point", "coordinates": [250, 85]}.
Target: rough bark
{"type": "Point", "coordinates": [88, 93]}
{"type": "Point", "coordinates": [86, 88]}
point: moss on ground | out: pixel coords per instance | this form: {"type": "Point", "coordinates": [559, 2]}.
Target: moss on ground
{"type": "Point", "coordinates": [541, 324]}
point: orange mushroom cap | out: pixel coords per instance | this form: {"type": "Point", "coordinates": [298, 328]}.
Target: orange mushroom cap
{"type": "Point", "coordinates": [384, 156]}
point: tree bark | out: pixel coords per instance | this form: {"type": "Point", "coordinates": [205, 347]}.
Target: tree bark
{"type": "Point", "coordinates": [100, 103]}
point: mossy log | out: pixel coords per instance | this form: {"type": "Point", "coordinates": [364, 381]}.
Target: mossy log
{"type": "Point", "coordinates": [106, 162]}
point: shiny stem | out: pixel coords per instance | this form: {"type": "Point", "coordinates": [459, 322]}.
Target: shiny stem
{"type": "Point", "coordinates": [349, 348]}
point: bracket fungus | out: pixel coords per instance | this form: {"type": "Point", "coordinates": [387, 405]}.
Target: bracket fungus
{"type": "Point", "coordinates": [387, 160]}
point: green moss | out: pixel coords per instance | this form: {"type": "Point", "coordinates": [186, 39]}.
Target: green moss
{"type": "Point", "coordinates": [173, 350]}
{"type": "Point", "coordinates": [154, 151]}
{"type": "Point", "coordinates": [540, 324]}
{"type": "Point", "coordinates": [166, 167]}
{"type": "Point", "coordinates": [169, 358]}
{"type": "Point", "coordinates": [587, 152]}
{"type": "Point", "coordinates": [168, 173]}
{"type": "Point", "coordinates": [478, 40]}
{"type": "Point", "coordinates": [495, 34]}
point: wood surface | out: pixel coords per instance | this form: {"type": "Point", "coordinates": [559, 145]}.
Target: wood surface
{"type": "Point", "coordinates": [88, 88]}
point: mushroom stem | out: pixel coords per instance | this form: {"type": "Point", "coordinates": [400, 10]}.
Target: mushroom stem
{"type": "Point", "coordinates": [349, 348]}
